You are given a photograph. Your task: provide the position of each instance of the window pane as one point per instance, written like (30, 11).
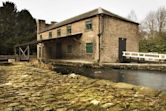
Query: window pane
(68, 29)
(89, 25)
(59, 32)
(50, 34)
(89, 47)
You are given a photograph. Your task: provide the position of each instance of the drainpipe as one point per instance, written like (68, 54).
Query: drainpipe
(101, 26)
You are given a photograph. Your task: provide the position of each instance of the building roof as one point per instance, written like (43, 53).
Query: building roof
(27, 43)
(89, 14)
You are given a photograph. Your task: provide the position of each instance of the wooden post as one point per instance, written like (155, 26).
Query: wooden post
(15, 52)
(28, 51)
(19, 55)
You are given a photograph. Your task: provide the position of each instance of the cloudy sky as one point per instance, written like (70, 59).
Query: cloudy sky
(58, 10)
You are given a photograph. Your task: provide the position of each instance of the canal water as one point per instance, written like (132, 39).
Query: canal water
(153, 79)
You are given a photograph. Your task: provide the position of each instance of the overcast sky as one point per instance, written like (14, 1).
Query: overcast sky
(58, 10)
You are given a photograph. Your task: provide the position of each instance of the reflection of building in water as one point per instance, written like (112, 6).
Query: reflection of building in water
(129, 76)
(112, 75)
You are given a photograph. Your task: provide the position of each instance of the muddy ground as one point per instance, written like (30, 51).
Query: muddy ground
(24, 87)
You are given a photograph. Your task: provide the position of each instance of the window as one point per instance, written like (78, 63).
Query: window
(69, 49)
(89, 47)
(41, 37)
(88, 24)
(50, 35)
(69, 29)
(59, 32)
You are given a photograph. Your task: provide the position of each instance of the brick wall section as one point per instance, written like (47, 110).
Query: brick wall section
(113, 30)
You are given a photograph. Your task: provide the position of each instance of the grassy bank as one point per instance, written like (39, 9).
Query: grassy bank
(26, 88)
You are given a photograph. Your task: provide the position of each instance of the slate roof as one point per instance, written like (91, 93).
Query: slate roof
(89, 14)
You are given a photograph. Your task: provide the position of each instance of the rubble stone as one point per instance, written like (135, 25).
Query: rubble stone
(24, 87)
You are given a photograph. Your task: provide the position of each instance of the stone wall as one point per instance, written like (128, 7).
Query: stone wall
(79, 46)
(113, 30)
(109, 45)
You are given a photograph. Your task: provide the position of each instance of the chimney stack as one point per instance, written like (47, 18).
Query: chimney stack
(41, 25)
(53, 22)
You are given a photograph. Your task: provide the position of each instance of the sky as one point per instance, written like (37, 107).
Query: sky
(59, 10)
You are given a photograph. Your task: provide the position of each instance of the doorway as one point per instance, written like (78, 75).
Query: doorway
(58, 49)
(122, 47)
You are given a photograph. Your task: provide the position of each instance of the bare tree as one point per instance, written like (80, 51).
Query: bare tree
(161, 19)
(155, 22)
(150, 23)
(132, 16)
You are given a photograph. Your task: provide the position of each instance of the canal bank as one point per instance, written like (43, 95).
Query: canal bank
(127, 66)
(136, 66)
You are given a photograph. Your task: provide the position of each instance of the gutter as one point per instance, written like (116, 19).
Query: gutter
(101, 27)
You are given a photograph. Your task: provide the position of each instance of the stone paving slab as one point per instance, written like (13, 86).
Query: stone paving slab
(24, 87)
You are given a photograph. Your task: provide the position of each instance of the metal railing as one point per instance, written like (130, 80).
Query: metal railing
(140, 56)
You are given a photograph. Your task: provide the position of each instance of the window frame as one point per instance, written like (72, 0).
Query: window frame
(89, 48)
(69, 29)
(89, 25)
(50, 35)
(58, 32)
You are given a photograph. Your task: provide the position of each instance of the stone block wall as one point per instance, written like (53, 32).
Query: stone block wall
(79, 46)
(113, 30)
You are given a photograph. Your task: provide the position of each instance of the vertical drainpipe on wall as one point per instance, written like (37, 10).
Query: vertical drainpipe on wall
(101, 26)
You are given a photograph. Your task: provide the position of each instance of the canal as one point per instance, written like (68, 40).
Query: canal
(153, 79)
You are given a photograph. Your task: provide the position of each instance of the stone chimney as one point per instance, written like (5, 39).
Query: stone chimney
(53, 22)
(41, 25)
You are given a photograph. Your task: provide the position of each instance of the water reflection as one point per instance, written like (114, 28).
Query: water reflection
(151, 79)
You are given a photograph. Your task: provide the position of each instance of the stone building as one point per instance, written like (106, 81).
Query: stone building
(98, 36)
